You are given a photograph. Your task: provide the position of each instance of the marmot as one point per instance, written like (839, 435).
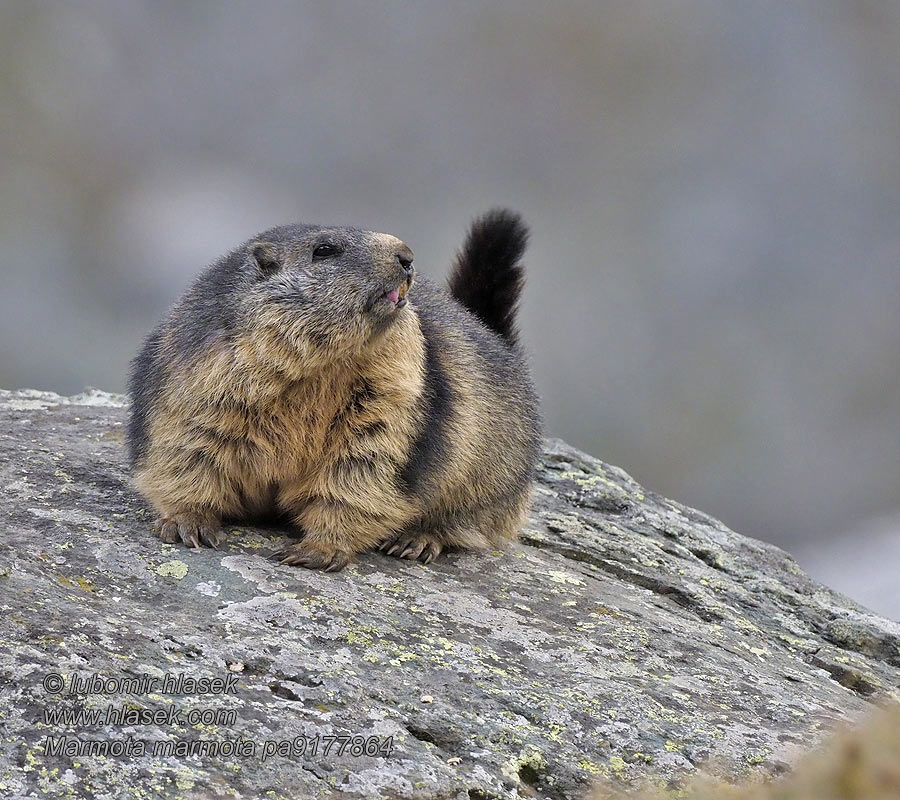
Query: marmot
(312, 373)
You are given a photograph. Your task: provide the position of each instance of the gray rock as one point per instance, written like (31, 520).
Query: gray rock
(625, 637)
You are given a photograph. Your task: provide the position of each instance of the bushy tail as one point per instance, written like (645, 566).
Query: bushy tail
(487, 277)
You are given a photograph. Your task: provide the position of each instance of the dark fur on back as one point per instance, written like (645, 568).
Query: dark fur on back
(439, 400)
(144, 386)
(487, 277)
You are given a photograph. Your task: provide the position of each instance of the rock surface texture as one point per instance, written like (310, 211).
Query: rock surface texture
(625, 637)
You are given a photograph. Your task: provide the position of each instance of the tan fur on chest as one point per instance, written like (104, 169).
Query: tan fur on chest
(256, 434)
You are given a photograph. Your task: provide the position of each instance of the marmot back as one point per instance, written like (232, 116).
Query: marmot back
(313, 374)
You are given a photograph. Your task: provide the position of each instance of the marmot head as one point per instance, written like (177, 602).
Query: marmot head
(326, 292)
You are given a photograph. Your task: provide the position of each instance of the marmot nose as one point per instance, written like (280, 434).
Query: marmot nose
(405, 257)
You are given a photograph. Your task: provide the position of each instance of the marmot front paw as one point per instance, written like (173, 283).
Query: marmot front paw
(193, 529)
(413, 545)
(313, 555)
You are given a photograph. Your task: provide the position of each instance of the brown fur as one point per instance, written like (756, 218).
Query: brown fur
(286, 409)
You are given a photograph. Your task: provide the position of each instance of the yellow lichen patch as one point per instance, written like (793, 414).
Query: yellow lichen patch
(795, 642)
(184, 780)
(561, 576)
(755, 759)
(361, 635)
(80, 583)
(172, 569)
(757, 651)
(617, 765)
(746, 625)
(403, 657)
(254, 541)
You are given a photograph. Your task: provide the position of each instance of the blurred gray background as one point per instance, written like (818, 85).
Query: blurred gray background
(713, 189)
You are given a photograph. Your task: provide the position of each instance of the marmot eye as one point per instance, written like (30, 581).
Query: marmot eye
(326, 249)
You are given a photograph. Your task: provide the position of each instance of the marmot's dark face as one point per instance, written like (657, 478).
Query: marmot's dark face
(328, 290)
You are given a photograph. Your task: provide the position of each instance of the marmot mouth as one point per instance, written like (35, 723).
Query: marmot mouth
(397, 297)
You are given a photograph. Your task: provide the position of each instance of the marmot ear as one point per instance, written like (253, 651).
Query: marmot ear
(266, 256)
